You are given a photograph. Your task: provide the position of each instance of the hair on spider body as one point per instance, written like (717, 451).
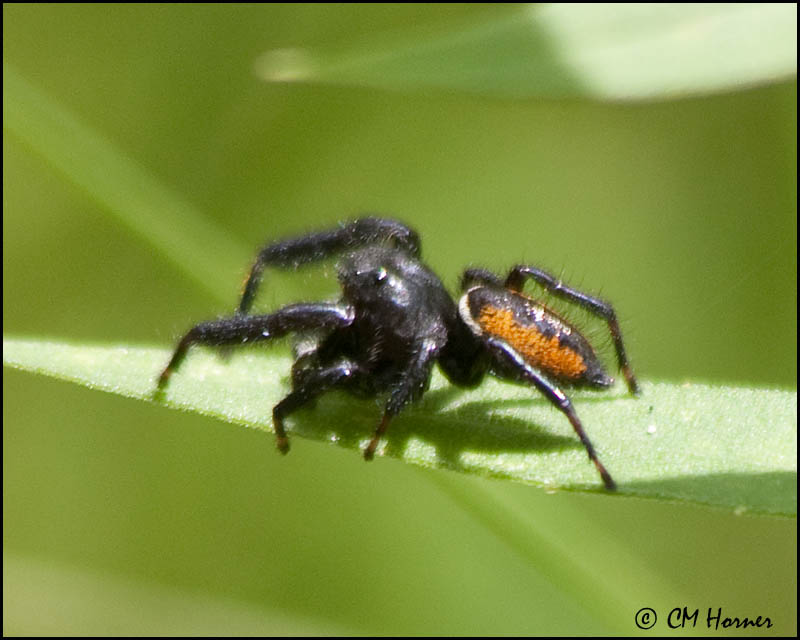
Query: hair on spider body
(395, 319)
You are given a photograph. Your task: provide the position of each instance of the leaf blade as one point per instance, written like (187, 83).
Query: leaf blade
(726, 447)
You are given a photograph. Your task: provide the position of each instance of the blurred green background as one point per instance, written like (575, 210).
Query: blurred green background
(122, 517)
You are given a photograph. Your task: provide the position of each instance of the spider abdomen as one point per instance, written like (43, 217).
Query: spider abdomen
(545, 340)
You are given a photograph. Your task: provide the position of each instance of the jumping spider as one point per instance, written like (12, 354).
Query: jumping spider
(395, 319)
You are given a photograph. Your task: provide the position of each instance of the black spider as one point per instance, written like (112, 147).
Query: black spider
(395, 319)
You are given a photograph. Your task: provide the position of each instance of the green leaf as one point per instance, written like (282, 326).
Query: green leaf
(563, 50)
(723, 446)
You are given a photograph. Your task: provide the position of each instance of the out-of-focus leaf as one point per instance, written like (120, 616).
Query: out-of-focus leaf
(563, 50)
(124, 188)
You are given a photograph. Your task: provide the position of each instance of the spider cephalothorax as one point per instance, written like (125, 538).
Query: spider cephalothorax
(395, 319)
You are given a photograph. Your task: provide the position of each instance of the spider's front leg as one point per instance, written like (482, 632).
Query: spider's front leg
(516, 280)
(247, 329)
(294, 252)
(413, 384)
(315, 383)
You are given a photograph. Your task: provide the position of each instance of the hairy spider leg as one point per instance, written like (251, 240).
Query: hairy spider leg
(477, 276)
(294, 252)
(516, 280)
(509, 359)
(244, 329)
(317, 383)
(411, 386)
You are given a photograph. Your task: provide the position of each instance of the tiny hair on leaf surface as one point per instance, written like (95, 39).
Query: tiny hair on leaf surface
(727, 447)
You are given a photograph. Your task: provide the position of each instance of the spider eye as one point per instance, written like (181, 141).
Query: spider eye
(381, 275)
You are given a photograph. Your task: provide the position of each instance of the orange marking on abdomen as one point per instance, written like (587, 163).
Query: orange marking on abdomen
(542, 352)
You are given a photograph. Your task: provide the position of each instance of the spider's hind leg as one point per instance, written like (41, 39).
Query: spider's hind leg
(477, 276)
(509, 364)
(516, 280)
